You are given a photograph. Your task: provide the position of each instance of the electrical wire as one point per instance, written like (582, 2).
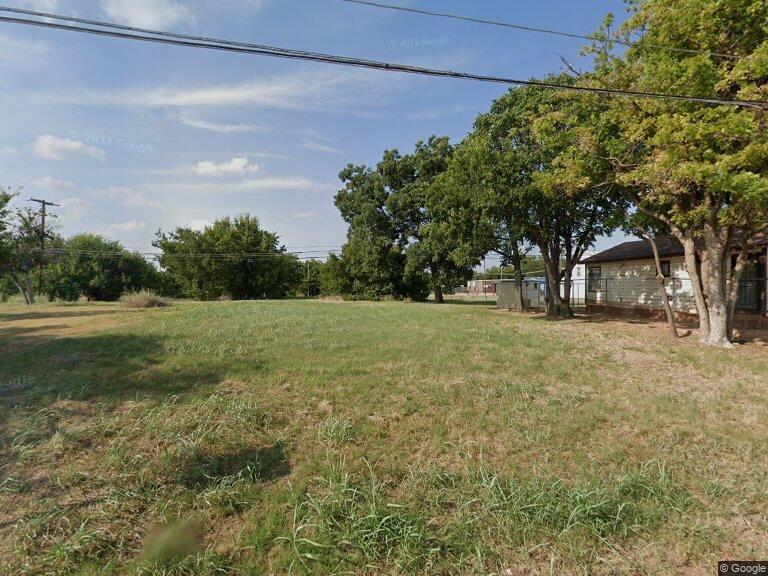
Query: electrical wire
(225, 45)
(527, 28)
(212, 255)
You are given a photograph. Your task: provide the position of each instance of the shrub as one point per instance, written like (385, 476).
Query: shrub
(142, 299)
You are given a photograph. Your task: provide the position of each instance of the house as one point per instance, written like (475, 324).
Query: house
(622, 280)
(578, 281)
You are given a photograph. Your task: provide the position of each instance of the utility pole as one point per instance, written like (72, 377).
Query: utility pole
(43, 205)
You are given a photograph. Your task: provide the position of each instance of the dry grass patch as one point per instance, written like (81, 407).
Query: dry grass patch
(143, 299)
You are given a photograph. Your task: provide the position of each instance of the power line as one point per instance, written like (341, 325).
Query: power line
(306, 255)
(238, 47)
(527, 28)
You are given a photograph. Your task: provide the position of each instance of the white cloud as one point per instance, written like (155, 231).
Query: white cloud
(22, 52)
(9, 151)
(199, 225)
(55, 148)
(265, 155)
(74, 202)
(301, 216)
(74, 208)
(310, 144)
(148, 13)
(255, 5)
(128, 226)
(140, 201)
(40, 5)
(215, 127)
(127, 197)
(309, 90)
(273, 184)
(49, 183)
(285, 183)
(236, 166)
(113, 192)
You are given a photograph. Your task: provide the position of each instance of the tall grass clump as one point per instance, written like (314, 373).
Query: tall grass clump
(352, 524)
(546, 507)
(335, 431)
(448, 521)
(143, 299)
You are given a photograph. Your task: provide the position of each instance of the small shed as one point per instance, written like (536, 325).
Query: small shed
(533, 293)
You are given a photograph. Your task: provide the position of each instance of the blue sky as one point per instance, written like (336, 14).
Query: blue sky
(129, 138)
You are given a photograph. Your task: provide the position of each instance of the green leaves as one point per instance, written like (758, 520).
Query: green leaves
(695, 164)
(233, 258)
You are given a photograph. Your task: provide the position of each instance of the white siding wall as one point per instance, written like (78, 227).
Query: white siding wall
(634, 283)
(578, 284)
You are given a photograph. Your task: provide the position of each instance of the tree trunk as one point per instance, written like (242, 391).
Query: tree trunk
(20, 289)
(558, 307)
(438, 289)
(692, 267)
(517, 300)
(718, 262)
(567, 289)
(663, 288)
(29, 292)
(735, 280)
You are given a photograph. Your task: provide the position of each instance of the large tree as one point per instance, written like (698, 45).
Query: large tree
(373, 257)
(702, 171)
(468, 208)
(410, 181)
(6, 285)
(234, 257)
(539, 164)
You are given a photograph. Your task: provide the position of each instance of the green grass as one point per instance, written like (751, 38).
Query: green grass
(320, 437)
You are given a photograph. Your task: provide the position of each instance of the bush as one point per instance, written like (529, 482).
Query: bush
(99, 269)
(142, 299)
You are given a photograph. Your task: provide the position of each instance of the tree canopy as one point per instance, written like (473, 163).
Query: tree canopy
(233, 258)
(96, 268)
(701, 171)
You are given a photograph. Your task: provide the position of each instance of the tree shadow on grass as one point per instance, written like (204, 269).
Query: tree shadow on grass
(47, 314)
(14, 335)
(208, 466)
(104, 366)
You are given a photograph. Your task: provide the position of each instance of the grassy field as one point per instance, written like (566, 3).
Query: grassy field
(372, 438)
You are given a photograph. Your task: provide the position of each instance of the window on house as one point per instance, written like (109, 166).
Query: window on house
(593, 278)
(666, 270)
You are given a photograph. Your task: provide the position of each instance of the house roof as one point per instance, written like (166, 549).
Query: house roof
(641, 250)
(638, 250)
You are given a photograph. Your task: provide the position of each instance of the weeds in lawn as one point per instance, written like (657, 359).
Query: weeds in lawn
(352, 520)
(335, 432)
(142, 299)
(352, 525)
(57, 542)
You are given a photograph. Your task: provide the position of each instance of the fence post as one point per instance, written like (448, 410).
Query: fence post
(605, 297)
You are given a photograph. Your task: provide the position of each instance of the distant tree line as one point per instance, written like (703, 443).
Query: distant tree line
(234, 258)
